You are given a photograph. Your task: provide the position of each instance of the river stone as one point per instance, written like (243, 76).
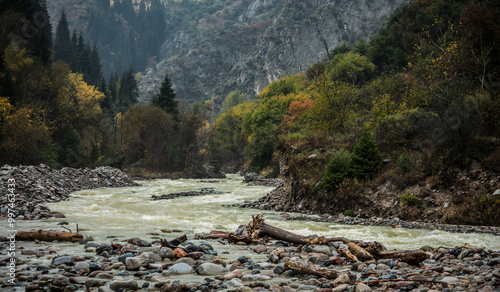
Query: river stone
(340, 288)
(28, 252)
(209, 269)
(104, 289)
(60, 281)
(256, 277)
(279, 269)
(185, 260)
(123, 285)
(165, 252)
(124, 257)
(450, 279)
(154, 256)
(235, 283)
(308, 287)
(362, 288)
(67, 260)
(82, 266)
(180, 268)
(136, 262)
(320, 249)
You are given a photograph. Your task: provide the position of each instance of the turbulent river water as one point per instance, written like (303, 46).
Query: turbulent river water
(131, 212)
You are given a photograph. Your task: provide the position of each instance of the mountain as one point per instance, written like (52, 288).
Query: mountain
(248, 44)
(211, 48)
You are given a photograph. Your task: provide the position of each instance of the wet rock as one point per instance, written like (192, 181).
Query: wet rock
(134, 263)
(123, 285)
(324, 249)
(340, 288)
(94, 283)
(165, 252)
(180, 268)
(209, 269)
(82, 266)
(60, 281)
(362, 288)
(60, 260)
(260, 249)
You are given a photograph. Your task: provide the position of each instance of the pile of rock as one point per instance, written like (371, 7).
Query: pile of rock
(37, 185)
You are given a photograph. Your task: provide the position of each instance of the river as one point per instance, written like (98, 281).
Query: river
(130, 212)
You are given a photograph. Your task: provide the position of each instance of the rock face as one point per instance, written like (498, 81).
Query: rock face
(258, 42)
(37, 185)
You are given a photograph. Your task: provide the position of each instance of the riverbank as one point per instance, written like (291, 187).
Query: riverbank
(210, 265)
(37, 185)
(274, 201)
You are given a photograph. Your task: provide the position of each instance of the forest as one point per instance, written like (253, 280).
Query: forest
(423, 93)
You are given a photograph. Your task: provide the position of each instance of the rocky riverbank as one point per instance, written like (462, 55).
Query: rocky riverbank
(37, 185)
(274, 202)
(209, 265)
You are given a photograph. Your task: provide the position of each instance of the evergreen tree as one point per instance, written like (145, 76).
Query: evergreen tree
(165, 99)
(62, 45)
(336, 170)
(127, 94)
(41, 43)
(71, 152)
(365, 160)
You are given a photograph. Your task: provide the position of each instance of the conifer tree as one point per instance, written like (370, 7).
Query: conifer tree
(127, 93)
(365, 160)
(165, 99)
(62, 44)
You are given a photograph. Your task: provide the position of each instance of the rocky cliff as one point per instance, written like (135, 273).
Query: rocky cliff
(248, 44)
(214, 47)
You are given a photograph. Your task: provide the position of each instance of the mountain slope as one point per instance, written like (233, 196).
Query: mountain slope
(248, 44)
(214, 47)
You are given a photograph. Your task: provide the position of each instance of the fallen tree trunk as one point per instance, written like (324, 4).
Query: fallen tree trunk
(47, 235)
(309, 269)
(412, 257)
(257, 231)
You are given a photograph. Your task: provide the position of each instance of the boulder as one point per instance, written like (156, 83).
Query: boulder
(180, 268)
(123, 285)
(209, 269)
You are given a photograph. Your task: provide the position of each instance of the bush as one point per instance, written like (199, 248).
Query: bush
(408, 200)
(365, 160)
(336, 170)
(404, 163)
(349, 213)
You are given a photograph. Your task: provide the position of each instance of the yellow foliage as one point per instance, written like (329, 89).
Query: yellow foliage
(5, 107)
(16, 58)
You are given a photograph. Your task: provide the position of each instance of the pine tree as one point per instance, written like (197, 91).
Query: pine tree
(365, 160)
(41, 43)
(165, 99)
(71, 152)
(127, 93)
(62, 45)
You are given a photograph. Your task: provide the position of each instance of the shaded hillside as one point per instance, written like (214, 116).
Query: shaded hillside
(246, 45)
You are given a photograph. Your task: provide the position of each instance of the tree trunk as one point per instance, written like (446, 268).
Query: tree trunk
(44, 235)
(309, 269)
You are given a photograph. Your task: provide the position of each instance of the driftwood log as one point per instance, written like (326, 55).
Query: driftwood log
(257, 231)
(309, 269)
(174, 243)
(47, 235)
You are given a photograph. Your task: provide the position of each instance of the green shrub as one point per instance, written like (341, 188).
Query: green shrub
(336, 170)
(408, 200)
(404, 163)
(349, 213)
(365, 160)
